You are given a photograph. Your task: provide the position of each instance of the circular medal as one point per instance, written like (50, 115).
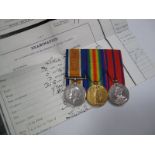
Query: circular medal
(74, 94)
(118, 94)
(97, 95)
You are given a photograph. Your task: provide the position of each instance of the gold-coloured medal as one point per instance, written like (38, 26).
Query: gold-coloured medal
(97, 95)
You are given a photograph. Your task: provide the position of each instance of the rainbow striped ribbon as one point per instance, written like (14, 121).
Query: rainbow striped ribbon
(96, 67)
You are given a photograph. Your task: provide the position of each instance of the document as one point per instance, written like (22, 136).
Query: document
(32, 99)
(32, 69)
(10, 25)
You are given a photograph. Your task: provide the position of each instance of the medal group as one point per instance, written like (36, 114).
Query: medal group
(95, 75)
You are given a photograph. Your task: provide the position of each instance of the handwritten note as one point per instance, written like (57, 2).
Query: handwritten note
(33, 97)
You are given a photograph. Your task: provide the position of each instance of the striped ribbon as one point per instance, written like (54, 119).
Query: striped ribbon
(97, 64)
(114, 66)
(75, 64)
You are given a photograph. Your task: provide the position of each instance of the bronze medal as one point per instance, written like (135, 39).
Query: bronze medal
(97, 95)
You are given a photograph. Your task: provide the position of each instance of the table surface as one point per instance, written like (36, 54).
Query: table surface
(137, 116)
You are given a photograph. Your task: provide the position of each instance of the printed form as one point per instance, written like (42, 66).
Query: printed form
(32, 69)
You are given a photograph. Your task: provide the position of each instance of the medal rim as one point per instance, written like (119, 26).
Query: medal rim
(101, 104)
(75, 85)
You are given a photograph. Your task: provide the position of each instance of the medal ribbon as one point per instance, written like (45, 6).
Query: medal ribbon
(96, 66)
(114, 65)
(75, 64)
(103, 66)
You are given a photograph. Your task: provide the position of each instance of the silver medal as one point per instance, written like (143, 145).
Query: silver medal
(74, 94)
(118, 94)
